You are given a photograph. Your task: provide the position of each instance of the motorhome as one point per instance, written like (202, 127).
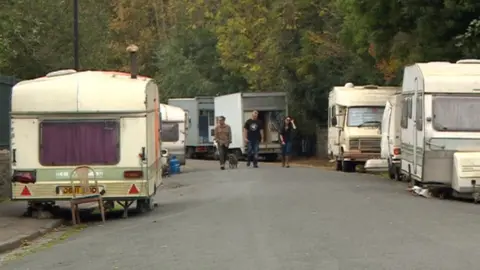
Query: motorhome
(355, 116)
(108, 121)
(441, 126)
(174, 129)
(391, 132)
(238, 107)
(201, 123)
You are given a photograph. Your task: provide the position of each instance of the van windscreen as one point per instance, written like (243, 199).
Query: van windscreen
(358, 116)
(72, 143)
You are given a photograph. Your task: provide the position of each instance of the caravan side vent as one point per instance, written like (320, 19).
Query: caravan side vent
(468, 61)
(370, 86)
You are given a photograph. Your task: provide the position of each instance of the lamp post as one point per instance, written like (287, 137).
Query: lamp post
(75, 35)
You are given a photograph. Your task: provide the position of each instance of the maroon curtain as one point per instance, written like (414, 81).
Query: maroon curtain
(77, 143)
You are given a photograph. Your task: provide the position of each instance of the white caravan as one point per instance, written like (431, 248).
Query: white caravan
(355, 116)
(174, 130)
(109, 121)
(391, 132)
(441, 125)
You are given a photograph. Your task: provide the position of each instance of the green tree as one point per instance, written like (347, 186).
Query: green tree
(37, 36)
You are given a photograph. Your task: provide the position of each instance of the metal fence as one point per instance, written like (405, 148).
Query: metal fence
(6, 84)
(4, 173)
(314, 145)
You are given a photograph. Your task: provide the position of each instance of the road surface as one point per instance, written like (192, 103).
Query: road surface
(274, 218)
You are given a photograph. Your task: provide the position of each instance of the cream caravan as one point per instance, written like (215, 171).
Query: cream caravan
(441, 125)
(174, 129)
(355, 115)
(106, 120)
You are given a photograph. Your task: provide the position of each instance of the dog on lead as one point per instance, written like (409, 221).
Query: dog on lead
(232, 161)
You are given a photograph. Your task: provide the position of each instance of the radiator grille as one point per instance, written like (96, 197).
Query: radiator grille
(366, 145)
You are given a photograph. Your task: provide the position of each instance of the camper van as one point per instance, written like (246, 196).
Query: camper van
(355, 117)
(109, 121)
(441, 125)
(391, 132)
(174, 130)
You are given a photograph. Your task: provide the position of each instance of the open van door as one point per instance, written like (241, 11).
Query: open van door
(385, 149)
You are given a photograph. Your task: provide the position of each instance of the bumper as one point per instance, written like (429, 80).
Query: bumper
(50, 191)
(397, 161)
(359, 156)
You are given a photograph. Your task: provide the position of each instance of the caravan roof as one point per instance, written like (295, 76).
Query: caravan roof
(86, 91)
(368, 95)
(445, 77)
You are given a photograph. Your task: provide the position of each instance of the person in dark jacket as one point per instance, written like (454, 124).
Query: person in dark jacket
(286, 137)
(253, 136)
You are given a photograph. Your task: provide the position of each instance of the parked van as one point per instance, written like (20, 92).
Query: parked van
(355, 116)
(106, 120)
(441, 125)
(201, 122)
(391, 132)
(174, 131)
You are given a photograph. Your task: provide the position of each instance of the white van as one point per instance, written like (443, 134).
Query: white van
(106, 120)
(441, 125)
(174, 131)
(355, 116)
(391, 132)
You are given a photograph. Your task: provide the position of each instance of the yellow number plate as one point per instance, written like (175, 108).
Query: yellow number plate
(78, 190)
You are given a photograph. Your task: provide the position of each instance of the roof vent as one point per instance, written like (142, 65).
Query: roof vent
(438, 62)
(468, 61)
(370, 86)
(349, 85)
(61, 72)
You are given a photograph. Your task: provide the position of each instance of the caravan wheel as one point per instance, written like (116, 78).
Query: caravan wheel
(145, 205)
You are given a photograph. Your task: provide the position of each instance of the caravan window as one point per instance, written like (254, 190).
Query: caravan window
(75, 143)
(456, 113)
(409, 107)
(364, 115)
(419, 108)
(170, 132)
(404, 121)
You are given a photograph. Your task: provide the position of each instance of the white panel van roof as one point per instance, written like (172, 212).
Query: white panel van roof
(172, 113)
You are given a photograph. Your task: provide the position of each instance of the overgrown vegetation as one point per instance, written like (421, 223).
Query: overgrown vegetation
(209, 47)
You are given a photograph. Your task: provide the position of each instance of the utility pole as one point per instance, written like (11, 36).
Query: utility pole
(75, 35)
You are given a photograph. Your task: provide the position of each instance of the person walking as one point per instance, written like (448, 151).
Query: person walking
(223, 139)
(286, 137)
(253, 135)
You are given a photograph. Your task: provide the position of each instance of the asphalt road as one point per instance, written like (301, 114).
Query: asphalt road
(273, 218)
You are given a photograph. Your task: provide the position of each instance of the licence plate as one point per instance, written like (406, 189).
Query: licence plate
(66, 190)
(201, 149)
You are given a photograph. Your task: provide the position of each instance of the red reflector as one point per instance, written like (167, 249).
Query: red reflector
(133, 190)
(26, 192)
(397, 151)
(132, 174)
